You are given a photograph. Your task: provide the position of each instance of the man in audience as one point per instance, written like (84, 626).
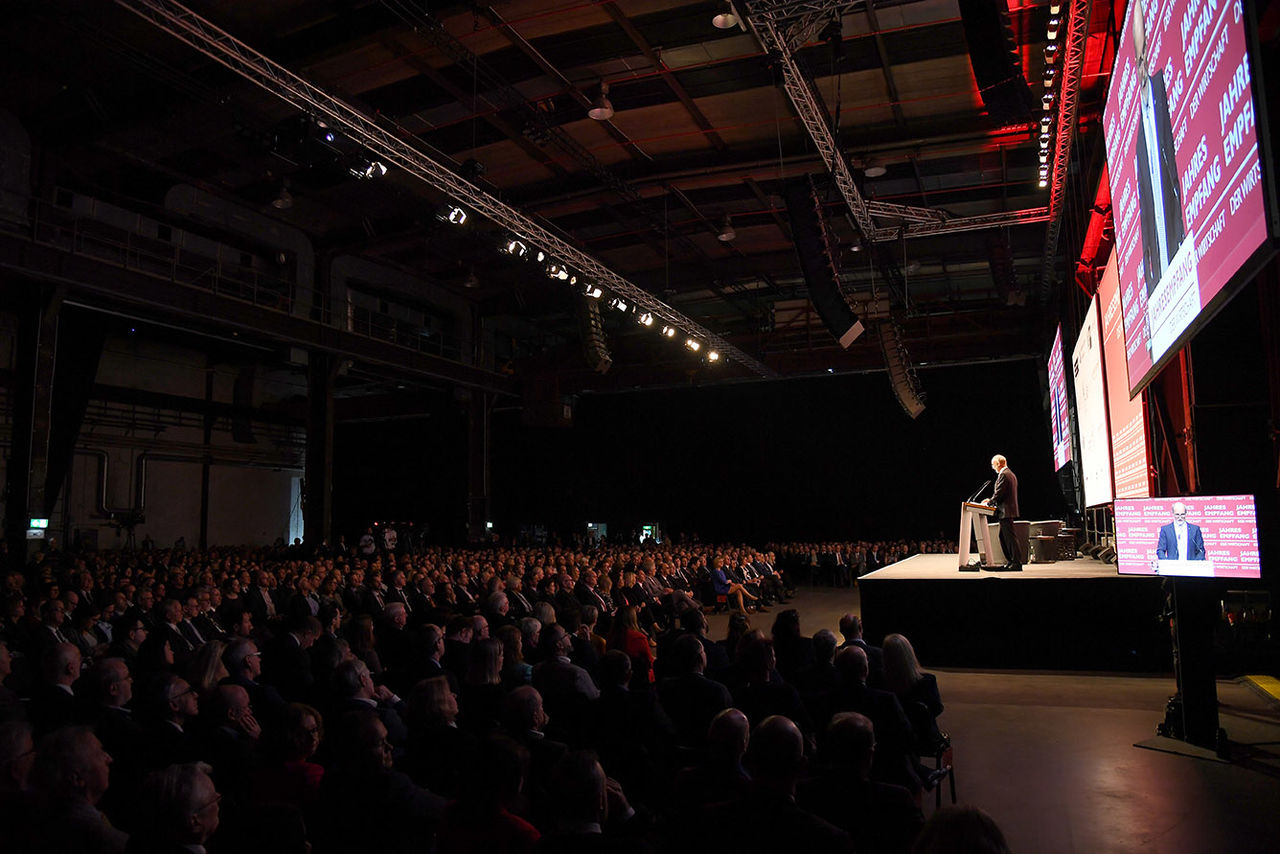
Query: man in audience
(230, 740)
(590, 812)
(851, 628)
(720, 776)
(354, 691)
(17, 754)
(70, 775)
(182, 808)
(53, 703)
(244, 667)
(286, 662)
(689, 698)
(879, 816)
(895, 743)
(174, 705)
(170, 629)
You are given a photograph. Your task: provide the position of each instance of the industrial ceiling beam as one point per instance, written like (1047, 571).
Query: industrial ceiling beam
(220, 46)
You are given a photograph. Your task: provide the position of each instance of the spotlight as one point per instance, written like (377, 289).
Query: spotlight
(329, 136)
(1045, 121)
(542, 256)
(713, 356)
(1050, 75)
(1044, 182)
(645, 319)
(371, 169)
(555, 271)
(563, 274)
(692, 345)
(593, 292)
(456, 215)
(1055, 24)
(1047, 100)
(726, 18)
(1044, 155)
(1055, 7)
(573, 280)
(874, 168)
(601, 108)
(727, 234)
(618, 304)
(668, 332)
(1045, 139)
(1050, 52)
(516, 248)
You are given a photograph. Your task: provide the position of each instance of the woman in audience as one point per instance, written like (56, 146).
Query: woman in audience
(205, 669)
(915, 689)
(739, 625)
(626, 636)
(439, 752)
(289, 776)
(481, 702)
(515, 670)
(360, 635)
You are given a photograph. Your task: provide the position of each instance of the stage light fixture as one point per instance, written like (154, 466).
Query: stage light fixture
(1047, 100)
(542, 256)
(1055, 7)
(573, 280)
(371, 169)
(1045, 139)
(563, 275)
(692, 345)
(1044, 182)
(1044, 155)
(726, 18)
(1046, 120)
(516, 248)
(1050, 75)
(873, 168)
(601, 108)
(456, 215)
(668, 332)
(284, 201)
(1050, 52)
(618, 304)
(1055, 24)
(645, 319)
(593, 291)
(713, 356)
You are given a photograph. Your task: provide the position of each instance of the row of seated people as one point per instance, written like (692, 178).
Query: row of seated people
(490, 724)
(841, 563)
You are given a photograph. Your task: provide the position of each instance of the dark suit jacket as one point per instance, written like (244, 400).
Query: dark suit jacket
(287, 665)
(1005, 496)
(1168, 545)
(895, 741)
(764, 823)
(881, 818)
(51, 708)
(691, 701)
(875, 661)
(1170, 188)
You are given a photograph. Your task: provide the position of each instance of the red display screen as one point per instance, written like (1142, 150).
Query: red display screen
(1216, 536)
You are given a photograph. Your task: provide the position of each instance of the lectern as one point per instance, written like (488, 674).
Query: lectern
(973, 522)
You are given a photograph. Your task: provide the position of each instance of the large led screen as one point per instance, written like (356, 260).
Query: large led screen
(1184, 165)
(1059, 415)
(1206, 536)
(1091, 411)
(1124, 414)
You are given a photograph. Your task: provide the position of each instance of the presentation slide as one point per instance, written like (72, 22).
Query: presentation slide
(1125, 415)
(1059, 415)
(1185, 172)
(1212, 536)
(1091, 410)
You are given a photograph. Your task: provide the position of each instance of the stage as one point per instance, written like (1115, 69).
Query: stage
(1068, 615)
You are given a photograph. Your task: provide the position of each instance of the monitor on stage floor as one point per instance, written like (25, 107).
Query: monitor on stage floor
(1198, 536)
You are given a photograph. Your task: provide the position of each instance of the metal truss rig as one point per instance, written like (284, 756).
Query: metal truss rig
(226, 50)
(1078, 17)
(782, 26)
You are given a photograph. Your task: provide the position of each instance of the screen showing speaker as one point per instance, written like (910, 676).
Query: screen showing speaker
(1059, 414)
(1091, 410)
(1128, 436)
(1185, 170)
(1202, 536)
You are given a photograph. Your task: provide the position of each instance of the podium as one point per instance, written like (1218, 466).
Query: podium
(973, 524)
(1183, 568)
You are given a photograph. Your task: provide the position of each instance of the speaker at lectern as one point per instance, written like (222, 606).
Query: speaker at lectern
(973, 530)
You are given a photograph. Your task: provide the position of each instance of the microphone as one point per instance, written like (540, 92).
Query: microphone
(977, 491)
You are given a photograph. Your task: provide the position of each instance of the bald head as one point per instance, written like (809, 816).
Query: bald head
(852, 663)
(776, 751)
(729, 733)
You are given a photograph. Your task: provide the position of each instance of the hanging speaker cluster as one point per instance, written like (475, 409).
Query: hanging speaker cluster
(595, 347)
(814, 246)
(906, 385)
(997, 67)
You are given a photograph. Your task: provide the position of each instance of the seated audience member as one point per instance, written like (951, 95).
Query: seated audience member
(916, 690)
(515, 670)
(353, 691)
(395, 645)
(961, 830)
(244, 668)
(720, 776)
(582, 651)
(53, 703)
(688, 697)
(206, 670)
(439, 753)
(169, 707)
(365, 804)
(10, 703)
(287, 775)
(17, 755)
(182, 809)
(431, 659)
(531, 631)
(767, 818)
(734, 591)
(820, 680)
(851, 629)
(895, 759)
(127, 634)
(792, 649)
(739, 625)
(632, 732)
(566, 688)
(524, 719)
(108, 690)
(170, 628)
(229, 741)
(480, 702)
(364, 642)
(286, 662)
(590, 630)
(881, 818)
(628, 638)
(481, 819)
(70, 775)
(759, 691)
(457, 646)
(590, 812)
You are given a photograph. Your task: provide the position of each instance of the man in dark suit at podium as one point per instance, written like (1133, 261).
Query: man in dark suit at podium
(1005, 499)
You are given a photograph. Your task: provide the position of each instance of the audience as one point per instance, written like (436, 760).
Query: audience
(248, 700)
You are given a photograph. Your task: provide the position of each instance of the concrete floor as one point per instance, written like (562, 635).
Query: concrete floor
(1051, 755)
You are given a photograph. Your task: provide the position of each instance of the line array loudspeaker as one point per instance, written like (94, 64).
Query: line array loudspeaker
(815, 249)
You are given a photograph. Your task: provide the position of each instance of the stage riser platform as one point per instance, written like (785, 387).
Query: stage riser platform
(1072, 615)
